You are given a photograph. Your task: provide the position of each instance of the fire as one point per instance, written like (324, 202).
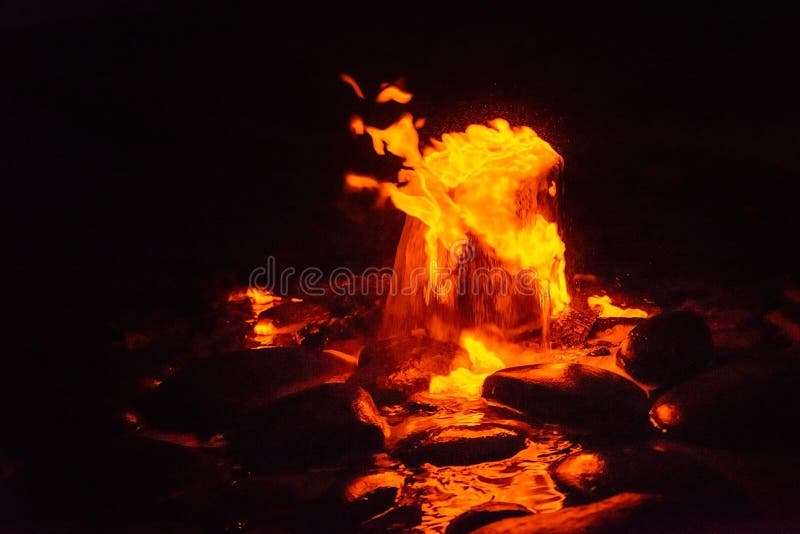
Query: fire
(490, 189)
(604, 305)
(468, 184)
(465, 382)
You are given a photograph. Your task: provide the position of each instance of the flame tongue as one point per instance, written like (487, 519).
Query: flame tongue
(468, 382)
(469, 184)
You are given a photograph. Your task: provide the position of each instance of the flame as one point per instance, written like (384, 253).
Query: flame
(602, 303)
(357, 125)
(346, 78)
(463, 382)
(467, 184)
(483, 185)
(392, 92)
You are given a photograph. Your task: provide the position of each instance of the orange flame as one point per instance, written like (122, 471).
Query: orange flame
(465, 382)
(346, 78)
(392, 92)
(468, 183)
(603, 304)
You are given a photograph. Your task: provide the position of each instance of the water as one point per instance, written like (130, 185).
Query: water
(448, 491)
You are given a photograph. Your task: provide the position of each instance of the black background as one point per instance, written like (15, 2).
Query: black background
(155, 153)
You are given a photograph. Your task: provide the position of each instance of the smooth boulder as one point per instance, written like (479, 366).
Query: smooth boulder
(748, 404)
(394, 369)
(596, 474)
(576, 395)
(666, 348)
(324, 426)
(626, 512)
(210, 395)
(460, 445)
(484, 514)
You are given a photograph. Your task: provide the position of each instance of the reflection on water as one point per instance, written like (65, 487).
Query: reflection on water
(446, 492)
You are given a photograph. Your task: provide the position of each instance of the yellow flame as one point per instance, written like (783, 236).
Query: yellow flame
(465, 382)
(469, 182)
(603, 304)
(392, 92)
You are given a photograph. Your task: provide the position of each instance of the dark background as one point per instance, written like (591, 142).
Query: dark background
(154, 153)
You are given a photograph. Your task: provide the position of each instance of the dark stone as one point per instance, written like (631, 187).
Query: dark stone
(327, 425)
(120, 479)
(592, 475)
(290, 313)
(460, 445)
(213, 394)
(599, 351)
(394, 369)
(666, 348)
(742, 405)
(572, 394)
(398, 520)
(626, 512)
(484, 514)
(369, 495)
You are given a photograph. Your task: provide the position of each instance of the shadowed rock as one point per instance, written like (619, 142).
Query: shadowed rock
(121, 479)
(213, 394)
(484, 514)
(327, 425)
(666, 348)
(591, 475)
(394, 369)
(572, 394)
(460, 445)
(745, 404)
(626, 512)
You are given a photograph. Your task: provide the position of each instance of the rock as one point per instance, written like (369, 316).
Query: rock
(394, 369)
(745, 404)
(116, 479)
(213, 394)
(369, 495)
(666, 348)
(626, 512)
(295, 313)
(592, 475)
(327, 425)
(460, 445)
(484, 514)
(572, 394)
(599, 351)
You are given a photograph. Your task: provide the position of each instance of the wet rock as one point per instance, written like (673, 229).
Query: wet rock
(666, 348)
(592, 475)
(745, 404)
(213, 394)
(460, 445)
(121, 479)
(572, 394)
(394, 369)
(291, 313)
(369, 495)
(397, 520)
(626, 512)
(327, 425)
(599, 351)
(484, 514)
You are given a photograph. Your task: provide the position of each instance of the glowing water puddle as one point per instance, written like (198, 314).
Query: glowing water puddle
(448, 491)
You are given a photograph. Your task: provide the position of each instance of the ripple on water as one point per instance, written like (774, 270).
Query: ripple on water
(448, 491)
